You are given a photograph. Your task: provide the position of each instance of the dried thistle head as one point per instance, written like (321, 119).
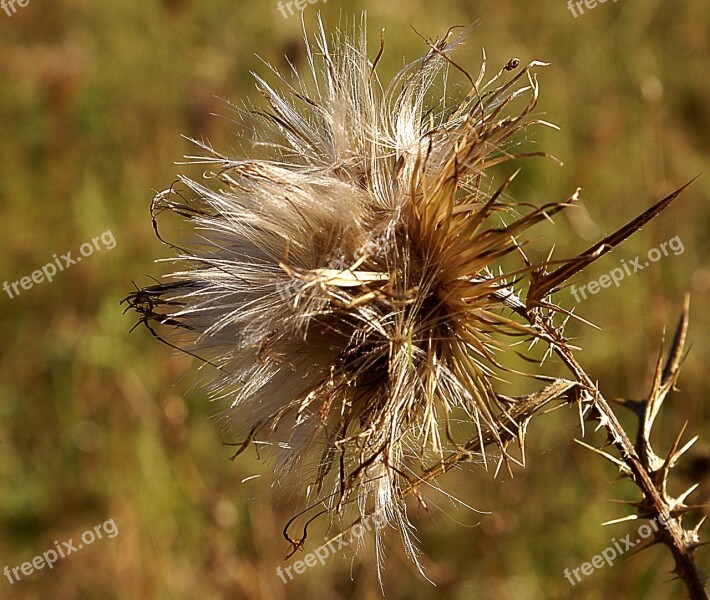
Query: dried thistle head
(348, 292)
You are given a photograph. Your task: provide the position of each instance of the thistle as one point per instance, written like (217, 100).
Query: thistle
(352, 293)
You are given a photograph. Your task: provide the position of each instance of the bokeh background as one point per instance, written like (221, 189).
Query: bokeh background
(97, 424)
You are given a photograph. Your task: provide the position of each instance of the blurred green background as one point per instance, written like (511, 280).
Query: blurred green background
(97, 424)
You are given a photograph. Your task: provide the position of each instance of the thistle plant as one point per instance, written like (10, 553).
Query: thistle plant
(352, 294)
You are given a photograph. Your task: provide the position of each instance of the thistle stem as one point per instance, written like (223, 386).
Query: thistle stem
(672, 533)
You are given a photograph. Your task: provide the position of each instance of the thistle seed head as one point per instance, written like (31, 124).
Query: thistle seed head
(347, 291)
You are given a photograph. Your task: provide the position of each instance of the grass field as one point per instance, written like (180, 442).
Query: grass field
(99, 425)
